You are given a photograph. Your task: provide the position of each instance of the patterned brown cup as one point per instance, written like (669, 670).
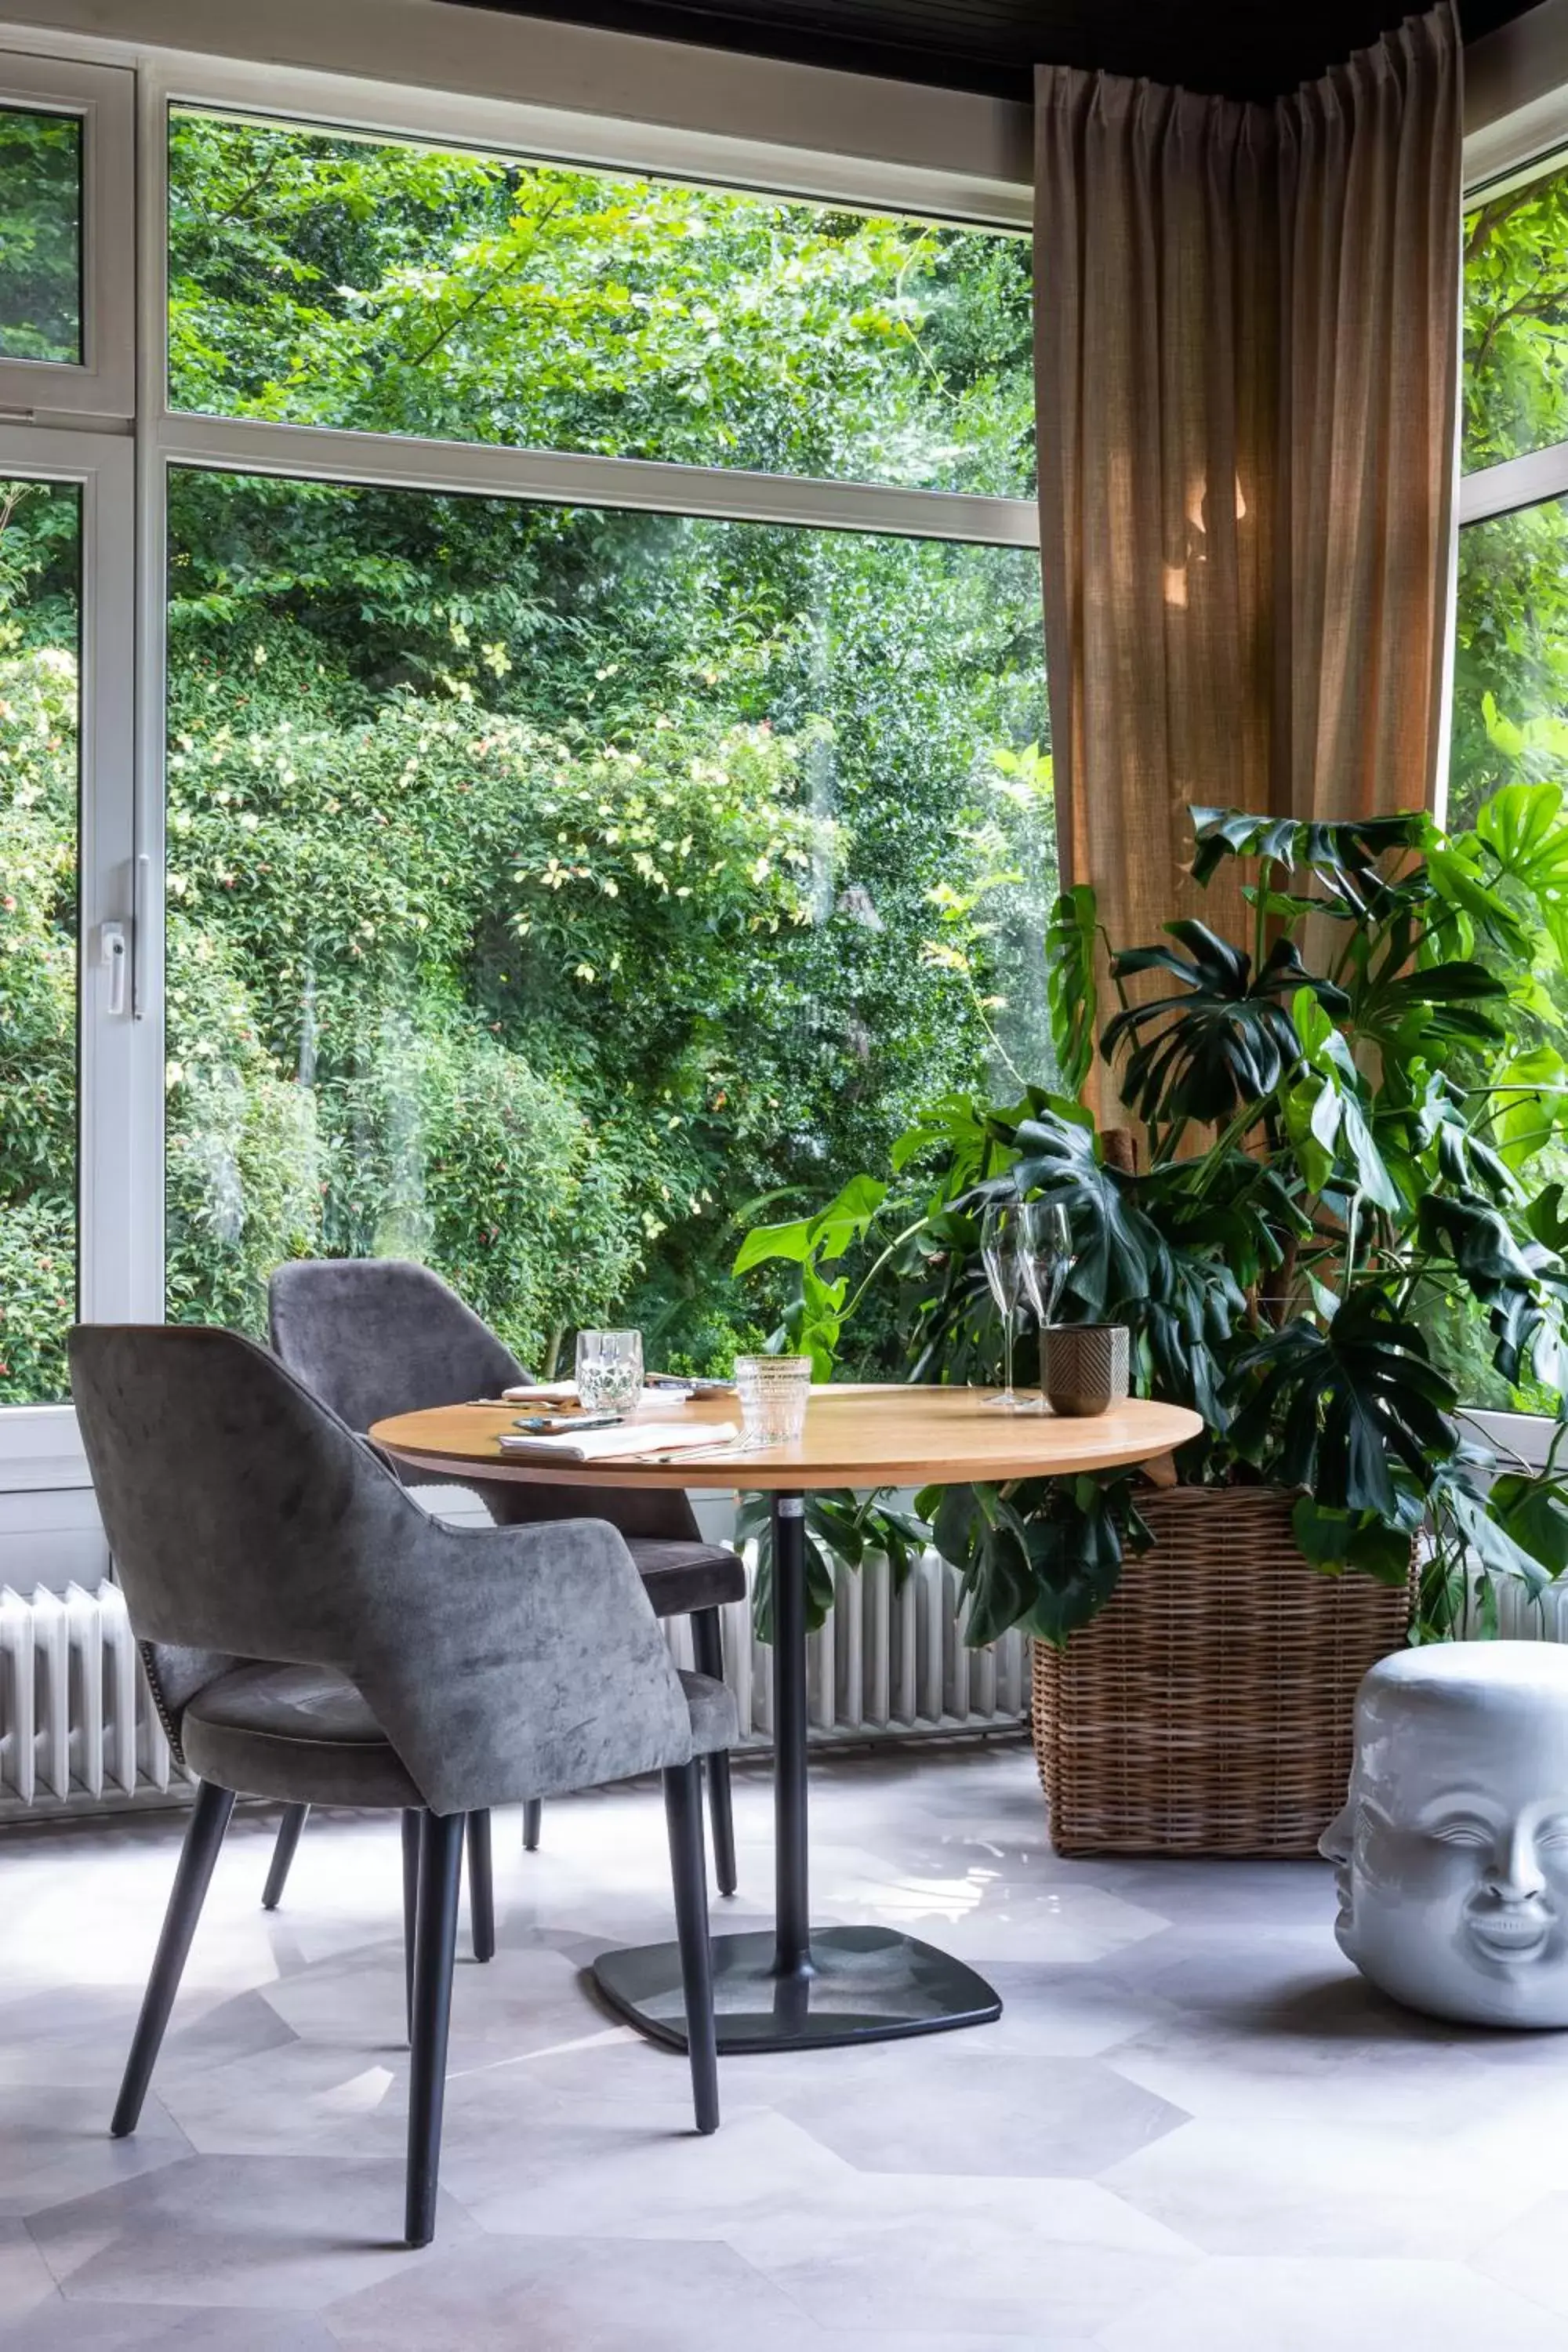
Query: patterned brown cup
(1084, 1366)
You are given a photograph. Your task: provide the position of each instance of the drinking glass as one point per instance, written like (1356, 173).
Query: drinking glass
(1049, 1256)
(775, 1392)
(609, 1371)
(1003, 1252)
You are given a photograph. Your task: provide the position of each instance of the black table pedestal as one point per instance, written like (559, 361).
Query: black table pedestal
(787, 1988)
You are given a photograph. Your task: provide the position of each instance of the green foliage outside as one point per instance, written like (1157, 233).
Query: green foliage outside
(1510, 666)
(325, 281)
(40, 236)
(37, 968)
(551, 890)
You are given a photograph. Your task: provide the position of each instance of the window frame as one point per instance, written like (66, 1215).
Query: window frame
(103, 383)
(123, 93)
(130, 437)
(1496, 165)
(38, 1443)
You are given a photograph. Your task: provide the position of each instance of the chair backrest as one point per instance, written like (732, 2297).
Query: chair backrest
(373, 1337)
(215, 1476)
(248, 1521)
(378, 1336)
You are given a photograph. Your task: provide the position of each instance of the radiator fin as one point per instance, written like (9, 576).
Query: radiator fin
(78, 1721)
(886, 1664)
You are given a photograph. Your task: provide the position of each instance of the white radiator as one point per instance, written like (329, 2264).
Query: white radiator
(78, 1726)
(885, 1667)
(1519, 1618)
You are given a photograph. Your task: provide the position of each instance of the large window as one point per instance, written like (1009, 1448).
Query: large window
(1510, 666)
(551, 886)
(603, 780)
(589, 779)
(542, 910)
(40, 567)
(389, 287)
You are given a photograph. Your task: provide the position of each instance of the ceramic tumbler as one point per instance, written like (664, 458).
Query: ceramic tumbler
(1084, 1366)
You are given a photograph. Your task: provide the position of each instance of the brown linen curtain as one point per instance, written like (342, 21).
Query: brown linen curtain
(1247, 346)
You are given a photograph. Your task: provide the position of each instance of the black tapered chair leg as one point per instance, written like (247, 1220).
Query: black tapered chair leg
(481, 1888)
(683, 1812)
(532, 1815)
(440, 1867)
(288, 1833)
(412, 1819)
(203, 1836)
(708, 1648)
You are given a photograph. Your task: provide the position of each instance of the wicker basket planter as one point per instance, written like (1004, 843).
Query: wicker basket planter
(1208, 1709)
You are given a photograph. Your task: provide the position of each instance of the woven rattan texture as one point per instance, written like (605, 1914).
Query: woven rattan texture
(1208, 1710)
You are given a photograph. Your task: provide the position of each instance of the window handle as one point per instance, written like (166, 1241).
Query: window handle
(111, 954)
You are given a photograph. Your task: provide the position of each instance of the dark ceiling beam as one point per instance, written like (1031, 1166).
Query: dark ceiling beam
(1241, 48)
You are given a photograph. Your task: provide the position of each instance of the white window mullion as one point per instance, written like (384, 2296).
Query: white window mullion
(715, 493)
(38, 1445)
(115, 1071)
(1516, 482)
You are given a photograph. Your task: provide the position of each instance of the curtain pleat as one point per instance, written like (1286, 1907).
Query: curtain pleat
(1246, 337)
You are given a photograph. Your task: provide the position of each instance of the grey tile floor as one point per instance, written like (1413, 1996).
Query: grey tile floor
(1193, 2129)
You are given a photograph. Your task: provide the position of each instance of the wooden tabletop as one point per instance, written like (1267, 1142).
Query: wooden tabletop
(854, 1436)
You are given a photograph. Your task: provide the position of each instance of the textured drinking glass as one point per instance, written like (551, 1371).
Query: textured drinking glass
(609, 1371)
(773, 1392)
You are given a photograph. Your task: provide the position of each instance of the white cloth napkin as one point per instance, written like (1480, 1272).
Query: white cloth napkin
(628, 1437)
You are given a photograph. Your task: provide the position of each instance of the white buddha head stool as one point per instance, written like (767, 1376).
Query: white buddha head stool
(1452, 1849)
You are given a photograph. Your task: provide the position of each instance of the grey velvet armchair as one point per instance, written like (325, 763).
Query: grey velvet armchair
(312, 1634)
(374, 1336)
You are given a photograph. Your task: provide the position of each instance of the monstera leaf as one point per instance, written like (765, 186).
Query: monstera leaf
(1528, 1097)
(1225, 1041)
(1488, 1535)
(1379, 1548)
(1071, 993)
(1187, 1330)
(1469, 905)
(1428, 1011)
(1523, 827)
(1533, 1509)
(1336, 1412)
(1120, 1250)
(1044, 1555)
(1519, 1282)
(1547, 1219)
(1437, 1116)
(839, 1527)
(1342, 857)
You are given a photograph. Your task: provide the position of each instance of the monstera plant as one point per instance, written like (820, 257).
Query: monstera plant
(1334, 1205)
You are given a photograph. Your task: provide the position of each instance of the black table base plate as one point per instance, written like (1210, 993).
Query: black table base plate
(866, 1984)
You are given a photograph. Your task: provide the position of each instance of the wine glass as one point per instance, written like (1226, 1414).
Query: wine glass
(1003, 1254)
(1049, 1256)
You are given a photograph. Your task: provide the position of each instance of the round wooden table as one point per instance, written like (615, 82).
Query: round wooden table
(793, 1987)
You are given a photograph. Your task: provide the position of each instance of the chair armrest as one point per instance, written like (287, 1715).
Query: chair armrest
(513, 1663)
